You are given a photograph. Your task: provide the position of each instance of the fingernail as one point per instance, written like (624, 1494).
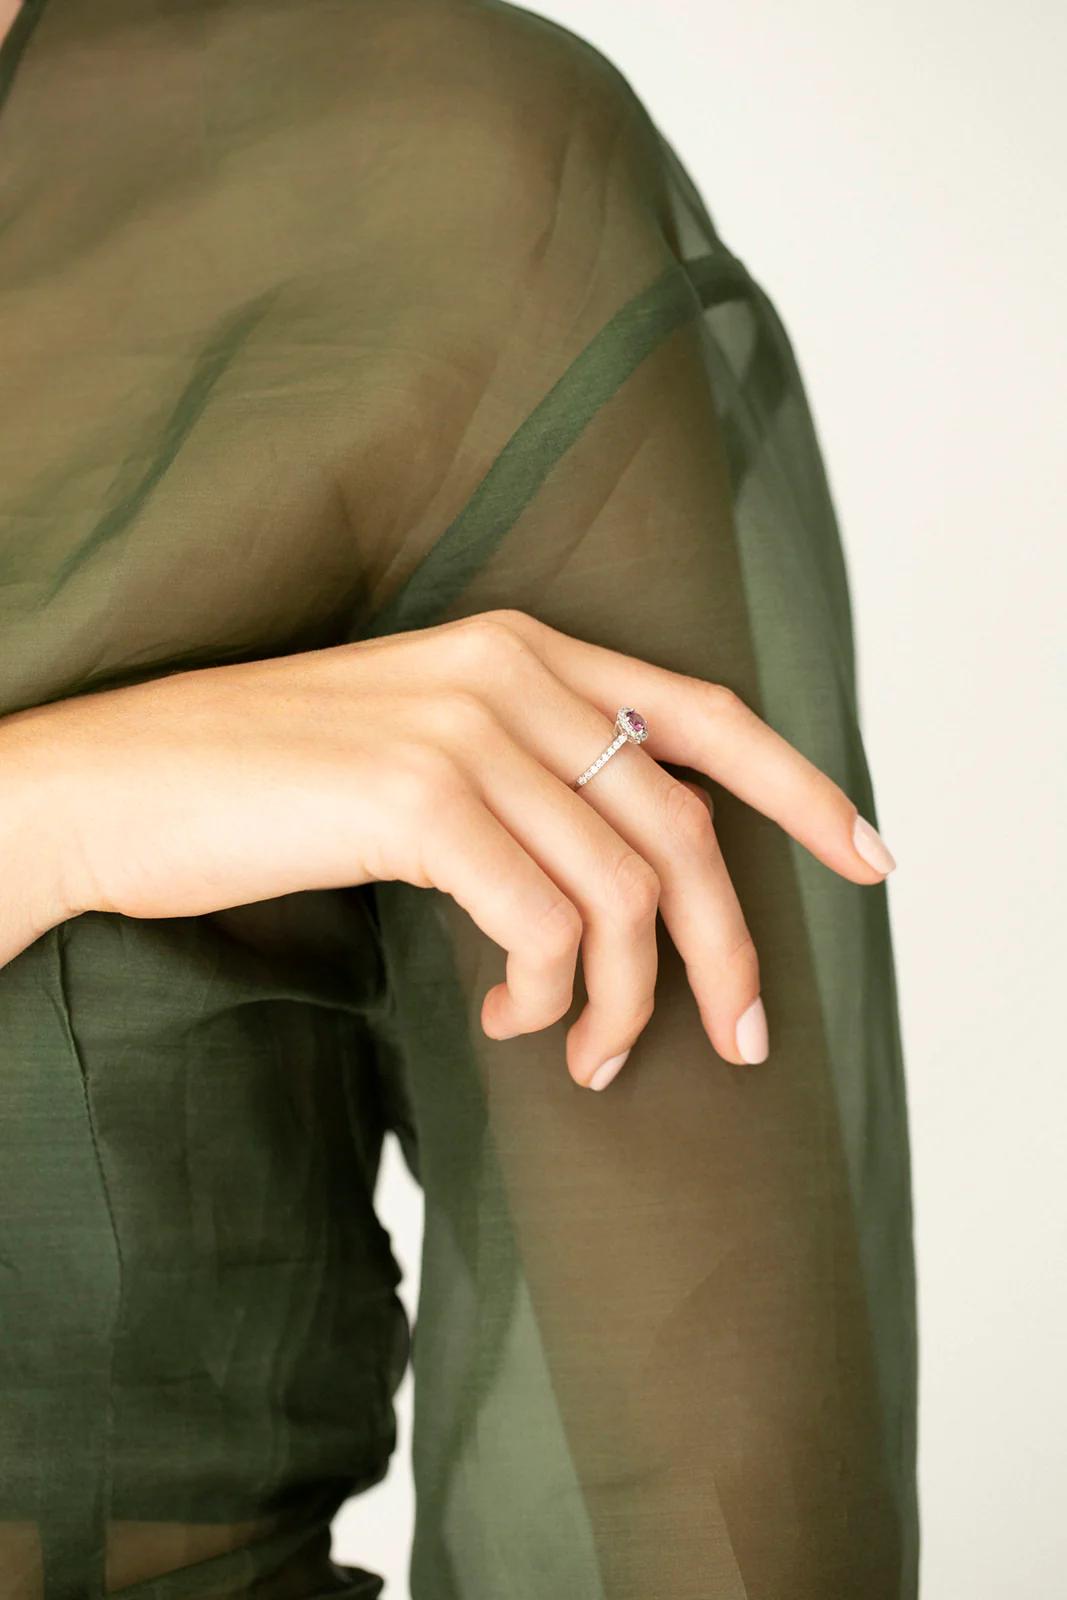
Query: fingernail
(871, 846)
(607, 1070)
(751, 1034)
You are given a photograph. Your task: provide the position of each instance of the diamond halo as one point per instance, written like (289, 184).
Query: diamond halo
(631, 728)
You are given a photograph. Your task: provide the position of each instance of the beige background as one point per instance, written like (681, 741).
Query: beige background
(894, 176)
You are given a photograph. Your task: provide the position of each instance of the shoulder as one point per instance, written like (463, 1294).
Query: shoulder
(502, 54)
(471, 104)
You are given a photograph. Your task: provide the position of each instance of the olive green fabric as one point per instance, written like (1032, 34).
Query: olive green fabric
(322, 320)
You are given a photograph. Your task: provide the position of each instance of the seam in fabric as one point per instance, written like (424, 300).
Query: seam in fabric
(59, 936)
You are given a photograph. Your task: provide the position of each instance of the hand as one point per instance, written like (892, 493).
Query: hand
(444, 757)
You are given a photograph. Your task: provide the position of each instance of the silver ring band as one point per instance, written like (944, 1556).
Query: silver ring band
(631, 728)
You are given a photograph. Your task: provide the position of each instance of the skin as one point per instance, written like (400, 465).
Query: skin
(412, 758)
(405, 759)
(9, 10)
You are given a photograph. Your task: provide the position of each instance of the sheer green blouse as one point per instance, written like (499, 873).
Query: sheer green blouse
(321, 320)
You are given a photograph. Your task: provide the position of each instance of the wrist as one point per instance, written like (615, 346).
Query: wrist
(35, 831)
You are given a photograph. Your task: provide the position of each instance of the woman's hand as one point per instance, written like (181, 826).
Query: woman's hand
(443, 757)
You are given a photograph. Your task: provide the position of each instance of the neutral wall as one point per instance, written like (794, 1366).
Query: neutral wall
(894, 176)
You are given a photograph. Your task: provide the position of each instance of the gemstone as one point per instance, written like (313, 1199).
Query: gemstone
(634, 723)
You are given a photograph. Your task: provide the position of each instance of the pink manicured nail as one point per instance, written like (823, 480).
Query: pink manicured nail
(607, 1070)
(871, 846)
(751, 1034)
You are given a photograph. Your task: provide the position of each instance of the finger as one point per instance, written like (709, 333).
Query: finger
(615, 889)
(666, 826)
(704, 918)
(671, 828)
(468, 854)
(706, 726)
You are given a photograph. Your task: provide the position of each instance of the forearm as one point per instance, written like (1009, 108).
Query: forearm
(34, 839)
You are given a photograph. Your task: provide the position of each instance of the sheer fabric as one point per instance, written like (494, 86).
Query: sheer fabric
(321, 320)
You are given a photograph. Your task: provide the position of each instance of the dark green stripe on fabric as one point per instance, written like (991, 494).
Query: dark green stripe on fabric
(208, 366)
(550, 430)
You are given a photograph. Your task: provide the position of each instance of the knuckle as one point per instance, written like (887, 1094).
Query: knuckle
(640, 1015)
(518, 623)
(462, 715)
(496, 642)
(722, 701)
(423, 779)
(556, 1010)
(688, 819)
(557, 930)
(635, 888)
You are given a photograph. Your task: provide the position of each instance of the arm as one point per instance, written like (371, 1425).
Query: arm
(629, 1298)
(647, 1360)
(37, 895)
(666, 1337)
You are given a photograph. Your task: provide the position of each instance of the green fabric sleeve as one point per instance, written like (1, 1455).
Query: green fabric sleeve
(321, 322)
